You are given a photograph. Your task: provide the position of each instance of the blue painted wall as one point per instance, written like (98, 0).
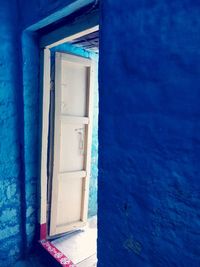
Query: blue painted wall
(149, 142)
(44, 12)
(148, 136)
(11, 167)
(30, 130)
(68, 48)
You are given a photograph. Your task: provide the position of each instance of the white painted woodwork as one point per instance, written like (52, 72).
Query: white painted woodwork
(73, 174)
(73, 93)
(45, 80)
(72, 147)
(69, 199)
(74, 120)
(72, 142)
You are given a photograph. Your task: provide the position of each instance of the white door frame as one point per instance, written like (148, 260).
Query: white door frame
(82, 26)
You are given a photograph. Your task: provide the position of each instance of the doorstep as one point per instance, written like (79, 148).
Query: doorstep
(56, 254)
(80, 246)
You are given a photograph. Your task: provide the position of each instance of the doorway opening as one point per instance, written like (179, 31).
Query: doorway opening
(69, 169)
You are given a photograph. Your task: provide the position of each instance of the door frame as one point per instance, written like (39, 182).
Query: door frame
(82, 26)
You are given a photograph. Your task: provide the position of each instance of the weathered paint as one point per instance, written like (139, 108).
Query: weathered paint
(149, 131)
(31, 133)
(68, 48)
(11, 171)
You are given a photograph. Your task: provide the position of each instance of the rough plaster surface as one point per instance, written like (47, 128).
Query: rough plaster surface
(42, 10)
(30, 59)
(33, 11)
(10, 155)
(149, 132)
(149, 143)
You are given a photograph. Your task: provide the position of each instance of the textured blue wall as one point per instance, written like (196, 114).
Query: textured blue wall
(149, 142)
(11, 166)
(68, 48)
(30, 60)
(149, 131)
(93, 201)
(47, 11)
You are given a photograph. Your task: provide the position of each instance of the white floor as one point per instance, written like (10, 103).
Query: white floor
(80, 246)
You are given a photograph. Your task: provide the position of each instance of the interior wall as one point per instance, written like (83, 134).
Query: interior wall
(31, 139)
(47, 11)
(149, 131)
(72, 49)
(19, 131)
(149, 142)
(11, 163)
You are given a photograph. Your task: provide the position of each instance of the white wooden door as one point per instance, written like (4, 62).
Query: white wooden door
(72, 143)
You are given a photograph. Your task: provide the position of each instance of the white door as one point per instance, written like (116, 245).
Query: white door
(72, 143)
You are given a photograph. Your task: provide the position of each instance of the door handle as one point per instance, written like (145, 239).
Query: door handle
(81, 140)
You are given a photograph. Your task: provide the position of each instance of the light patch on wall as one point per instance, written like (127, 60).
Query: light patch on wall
(133, 245)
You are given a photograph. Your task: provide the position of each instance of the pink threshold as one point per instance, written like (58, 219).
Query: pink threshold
(79, 246)
(57, 255)
(52, 250)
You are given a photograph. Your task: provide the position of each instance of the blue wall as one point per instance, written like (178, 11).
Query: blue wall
(44, 12)
(31, 114)
(149, 142)
(68, 48)
(148, 136)
(11, 166)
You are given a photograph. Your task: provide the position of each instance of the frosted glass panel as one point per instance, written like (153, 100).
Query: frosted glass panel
(74, 87)
(72, 147)
(69, 200)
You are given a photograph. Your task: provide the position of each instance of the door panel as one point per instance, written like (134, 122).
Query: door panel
(72, 147)
(72, 143)
(74, 89)
(69, 200)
